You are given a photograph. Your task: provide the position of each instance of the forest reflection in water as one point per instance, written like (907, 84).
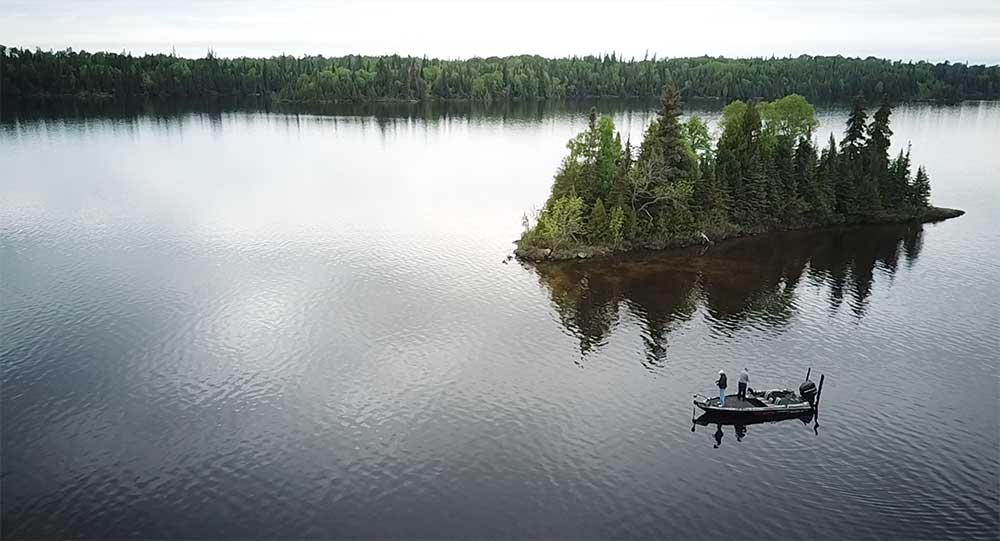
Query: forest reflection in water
(751, 281)
(384, 113)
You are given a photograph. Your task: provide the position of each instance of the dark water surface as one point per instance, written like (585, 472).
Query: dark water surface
(236, 324)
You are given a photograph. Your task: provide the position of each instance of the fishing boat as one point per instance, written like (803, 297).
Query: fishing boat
(773, 403)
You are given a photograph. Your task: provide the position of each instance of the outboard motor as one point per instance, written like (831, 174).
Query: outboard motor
(808, 392)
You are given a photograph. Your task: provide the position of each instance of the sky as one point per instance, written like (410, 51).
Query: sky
(959, 30)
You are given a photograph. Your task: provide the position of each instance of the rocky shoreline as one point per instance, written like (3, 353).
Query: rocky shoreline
(583, 251)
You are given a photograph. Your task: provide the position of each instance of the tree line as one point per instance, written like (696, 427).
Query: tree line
(763, 173)
(365, 78)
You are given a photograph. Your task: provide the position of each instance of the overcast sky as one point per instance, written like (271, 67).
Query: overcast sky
(960, 30)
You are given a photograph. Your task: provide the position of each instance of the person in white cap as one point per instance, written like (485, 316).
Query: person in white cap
(721, 382)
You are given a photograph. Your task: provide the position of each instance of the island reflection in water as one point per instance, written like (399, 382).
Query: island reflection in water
(751, 281)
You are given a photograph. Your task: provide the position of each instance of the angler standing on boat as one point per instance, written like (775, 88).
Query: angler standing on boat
(742, 385)
(721, 382)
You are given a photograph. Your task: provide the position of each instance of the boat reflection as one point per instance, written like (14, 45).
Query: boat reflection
(741, 424)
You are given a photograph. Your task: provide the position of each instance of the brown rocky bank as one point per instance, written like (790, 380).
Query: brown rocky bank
(584, 251)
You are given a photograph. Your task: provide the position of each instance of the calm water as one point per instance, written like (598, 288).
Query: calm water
(235, 324)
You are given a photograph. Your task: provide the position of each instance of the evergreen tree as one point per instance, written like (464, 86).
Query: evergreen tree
(866, 194)
(591, 168)
(852, 150)
(616, 195)
(665, 144)
(740, 167)
(815, 201)
(597, 225)
(830, 177)
(854, 136)
(920, 192)
(899, 178)
(710, 198)
(879, 135)
(783, 197)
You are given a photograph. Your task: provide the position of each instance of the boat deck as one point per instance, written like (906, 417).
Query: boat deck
(733, 401)
(756, 404)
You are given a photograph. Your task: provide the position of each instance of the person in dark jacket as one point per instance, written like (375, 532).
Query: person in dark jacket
(721, 382)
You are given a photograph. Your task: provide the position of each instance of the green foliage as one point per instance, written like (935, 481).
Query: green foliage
(792, 117)
(740, 164)
(394, 77)
(867, 197)
(710, 199)
(561, 222)
(877, 151)
(616, 226)
(920, 193)
(698, 138)
(731, 115)
(814, 190)
(665, 152)
(598, 229)
(759, 177)
(854, 136)
(898, 182)
(784, 202)
(591, 167)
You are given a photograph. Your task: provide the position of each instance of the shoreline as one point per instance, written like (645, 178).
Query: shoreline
(584, 251)
(279, 100)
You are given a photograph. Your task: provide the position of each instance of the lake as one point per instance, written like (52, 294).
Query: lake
(245, 322)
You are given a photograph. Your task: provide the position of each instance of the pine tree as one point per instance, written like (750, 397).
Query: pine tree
(814, 200)
(783, 200)
(627, 157)
(831, 178)
(597, 224)
(867, 197)
(899, 180)
(740, 167)
(591, 168)
(710, 199)
(853, 196)
(877, 150)
(616, 194)
(920, 191)
(853, 144)
(665, 144)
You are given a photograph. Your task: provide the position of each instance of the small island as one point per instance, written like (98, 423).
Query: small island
(764, 174)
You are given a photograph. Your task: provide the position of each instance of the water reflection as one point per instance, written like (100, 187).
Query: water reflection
(133, 109)
(741, 427)
(748, 282)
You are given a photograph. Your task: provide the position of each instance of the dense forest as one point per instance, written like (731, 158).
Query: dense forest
(366, 78)
(763, 173)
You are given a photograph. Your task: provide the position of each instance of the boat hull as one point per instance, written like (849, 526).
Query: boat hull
(775, 403)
